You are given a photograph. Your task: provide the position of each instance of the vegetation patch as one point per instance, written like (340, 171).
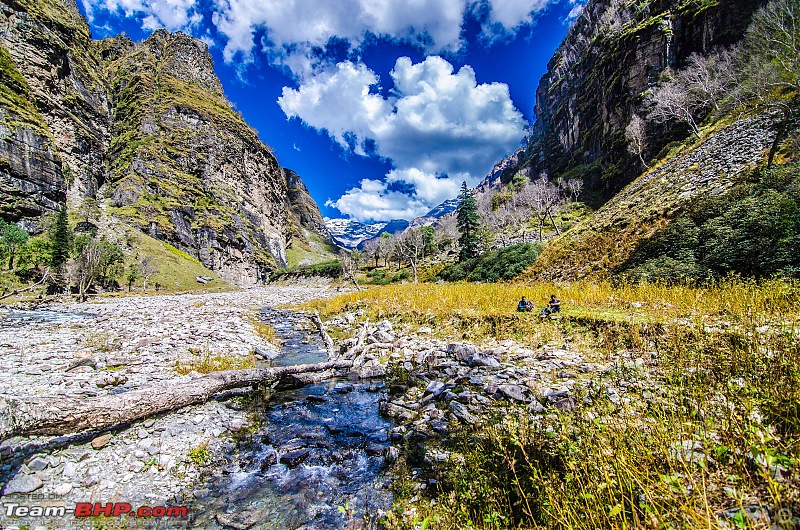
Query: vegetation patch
(216, 362)
(503, 264)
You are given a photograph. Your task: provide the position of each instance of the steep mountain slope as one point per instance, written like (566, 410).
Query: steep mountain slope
(146, 129)
(55, 111)
(706, 168)
(597, 79)
(185, 167)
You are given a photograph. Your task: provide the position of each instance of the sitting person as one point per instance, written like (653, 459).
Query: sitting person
(553, 306)
(524, 305)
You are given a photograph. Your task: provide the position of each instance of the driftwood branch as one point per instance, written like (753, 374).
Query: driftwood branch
(324, 334)
(65, 415)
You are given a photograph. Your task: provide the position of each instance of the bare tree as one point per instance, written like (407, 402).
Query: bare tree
(386, 245)
(147, 268)
(543, 197)
(411, 247)
(575, 186)
(709, 78)
(770, 62)
(351, 261)
(372, 250)
(87, 265)
(673, 101)
(447, 233)
(636, 135)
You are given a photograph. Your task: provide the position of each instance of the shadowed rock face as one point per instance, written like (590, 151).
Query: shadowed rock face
(595, 82)
(146, 126)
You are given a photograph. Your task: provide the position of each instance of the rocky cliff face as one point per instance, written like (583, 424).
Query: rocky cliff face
(145, 128)
(596, 80)
(185, 167)
(305, 212)
(56, 131)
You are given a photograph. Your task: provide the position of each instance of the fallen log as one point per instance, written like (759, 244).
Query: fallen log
(67, 415)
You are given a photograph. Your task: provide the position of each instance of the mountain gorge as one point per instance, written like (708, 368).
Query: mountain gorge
(147, 131)
(615, 63)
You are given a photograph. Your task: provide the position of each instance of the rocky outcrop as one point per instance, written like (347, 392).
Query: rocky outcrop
(147, 129)
(305, 212)
(597, 78)
(185, 167)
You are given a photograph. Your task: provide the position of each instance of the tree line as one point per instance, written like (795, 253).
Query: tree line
(71, 259)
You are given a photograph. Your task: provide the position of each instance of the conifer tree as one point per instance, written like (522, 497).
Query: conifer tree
(468, 222)
(60, 241)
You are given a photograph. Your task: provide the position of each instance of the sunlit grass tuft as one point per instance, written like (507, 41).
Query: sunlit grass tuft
(217, 362)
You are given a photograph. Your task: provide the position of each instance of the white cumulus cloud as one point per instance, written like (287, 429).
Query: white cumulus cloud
(438, 127)
(293, 29)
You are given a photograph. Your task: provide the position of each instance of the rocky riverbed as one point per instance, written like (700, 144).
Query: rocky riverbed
(423, 385)
(112, 345)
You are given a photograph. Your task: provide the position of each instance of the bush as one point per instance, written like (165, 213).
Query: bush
(328, 269)
(754, 231)
(503, 264)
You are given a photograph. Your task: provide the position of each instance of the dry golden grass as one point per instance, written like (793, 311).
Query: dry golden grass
(216, 362)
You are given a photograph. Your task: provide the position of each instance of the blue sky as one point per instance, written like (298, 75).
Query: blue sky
(383, 107)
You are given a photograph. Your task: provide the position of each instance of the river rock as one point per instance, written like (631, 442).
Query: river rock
(22, 483)
(269, 460)
(38, 464)
(240, 520)
(101, 441)
(294, 458)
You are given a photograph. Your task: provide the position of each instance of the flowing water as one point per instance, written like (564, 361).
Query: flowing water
(316, 460)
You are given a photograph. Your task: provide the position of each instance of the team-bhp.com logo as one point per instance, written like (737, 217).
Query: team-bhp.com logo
(88, 509)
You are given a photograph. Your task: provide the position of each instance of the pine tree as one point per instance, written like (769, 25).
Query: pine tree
(468, 222)
(60, 241)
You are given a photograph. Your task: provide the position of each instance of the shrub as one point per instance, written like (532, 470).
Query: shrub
(754, 231)
(503, 264)
(328, 269)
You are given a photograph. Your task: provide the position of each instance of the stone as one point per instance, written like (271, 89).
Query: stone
(269, 460)
(22, 483)
(424, 330)
(480, 359)
(392, 454)
(375, 449)
(62, 489)
(562, 401)
(241, 519)
(142, 434)
(535, 407)
(101, 441)
(38, 464)
(383, 336)
(294, 458)
(69, 470)
(515, 392)
(462, 352)
(435, 388)
(384, 326)
(461, 412)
